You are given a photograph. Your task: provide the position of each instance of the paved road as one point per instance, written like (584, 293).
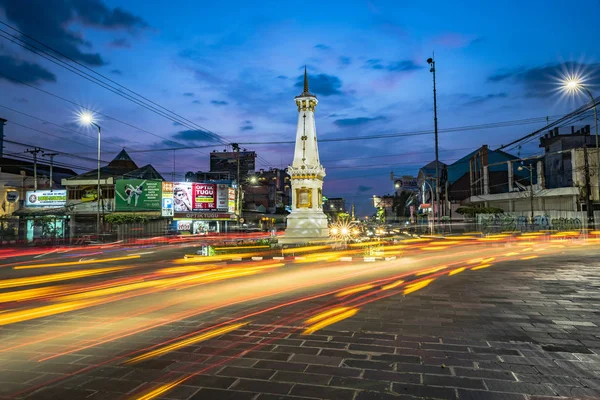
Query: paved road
(508, 321)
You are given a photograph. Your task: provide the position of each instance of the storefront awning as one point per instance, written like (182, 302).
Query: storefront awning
(34, 212)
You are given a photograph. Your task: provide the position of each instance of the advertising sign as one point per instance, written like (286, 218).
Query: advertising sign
(167, 199)
(231, 201)
(138, 195)
(407, 183)
(182, 196)
(222, 197)
(12, 196)
(46, 198)
(211, 216)
(204, 196)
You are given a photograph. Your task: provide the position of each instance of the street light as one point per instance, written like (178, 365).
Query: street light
(530, 169)
(87, 118)
(431, 62)
(574, 84)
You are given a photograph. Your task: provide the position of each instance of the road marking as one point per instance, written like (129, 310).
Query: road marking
(345, 258)
(45, 254)
(257, 258)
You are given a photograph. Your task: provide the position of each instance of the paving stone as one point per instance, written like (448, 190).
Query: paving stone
(252, 373)
(334, 371)
(322, 392)
(484, 373)
(381, 396)
(57, 393)
(343, 354)
(453, 381)
(361, 384)
(111, 385)
(319, 360)
(425, 369)
(216, 394)
(365, 364)
(281, 365)
(264, 396)
(392, 376)
(423, 391)
(265, 355)
(396, 358)
(484, 395)
(211, 381)
(297, 350)
(494, 350)
(518, 387)
(262, 386)
(371, 348)
(299, 377)
(556, 380)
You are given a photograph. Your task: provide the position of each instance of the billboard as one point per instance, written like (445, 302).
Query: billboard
(222, 197)
(231, 200)
(46, 198)
(188, 196)
(167, 199)
(407, 183)
(205, 196)
(138, 195)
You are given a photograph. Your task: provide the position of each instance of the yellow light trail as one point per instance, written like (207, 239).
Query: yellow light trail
(330, 321)
(28, 294)
(512, 253)
(413, 287)
(529, 257)
(417, 240)
(482, 266)
(187, 342)
(456, 271)
(326, 314)
(354, 290)
(294, 250)
(431, 271)
(161, 389)
(71, 263)
(61, 276)
(392, 285)
(242, 247)
(44, 311)
(434, 247)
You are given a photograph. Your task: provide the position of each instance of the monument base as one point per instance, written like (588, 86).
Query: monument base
(305, 227)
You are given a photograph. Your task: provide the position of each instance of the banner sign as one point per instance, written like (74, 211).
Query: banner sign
(222, 197)
(231, 201)
(46, 198)
(206, 216)
(407, 183)
(138, 195)
(167, 199)
(204, 196)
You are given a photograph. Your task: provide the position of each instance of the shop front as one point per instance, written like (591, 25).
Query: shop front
(202, 223)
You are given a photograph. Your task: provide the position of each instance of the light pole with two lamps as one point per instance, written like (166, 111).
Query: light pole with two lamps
(88, 119)
(431, 62)
(574, 84)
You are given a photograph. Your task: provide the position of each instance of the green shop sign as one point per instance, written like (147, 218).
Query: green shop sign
(138, 195)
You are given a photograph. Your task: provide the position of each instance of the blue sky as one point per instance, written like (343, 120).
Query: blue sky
(232, 69)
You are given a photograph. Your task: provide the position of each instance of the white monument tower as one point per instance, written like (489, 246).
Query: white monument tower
(307, 222)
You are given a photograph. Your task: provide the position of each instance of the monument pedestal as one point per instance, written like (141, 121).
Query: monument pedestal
(305, 227)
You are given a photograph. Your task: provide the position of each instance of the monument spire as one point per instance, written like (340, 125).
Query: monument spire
(307, 222)
(305, 80)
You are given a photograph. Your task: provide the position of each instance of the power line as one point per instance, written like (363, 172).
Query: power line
(156, 108)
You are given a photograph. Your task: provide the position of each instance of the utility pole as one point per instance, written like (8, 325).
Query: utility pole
(236, 148)
(35, 152)
(51, 155)
(588, 188)
(531, 192)
(431, 62)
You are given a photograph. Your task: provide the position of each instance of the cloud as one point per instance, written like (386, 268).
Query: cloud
(282, 77)
(363, 188)
(188, 94)
(397, 66)
(322, 47)
(60, 15)
(455, 40)
(196, 136)
(196, 102)
(246, 128)
(344, 61)
(120, 43)
(483, 99)
(349, 122)
(542, 80)
(321, 84)
(15, 70)
(219, 102)
(116, 72)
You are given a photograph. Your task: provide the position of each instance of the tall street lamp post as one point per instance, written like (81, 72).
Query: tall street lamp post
(574, 84)
(530, 169)
(431, 62)
(88, 119)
